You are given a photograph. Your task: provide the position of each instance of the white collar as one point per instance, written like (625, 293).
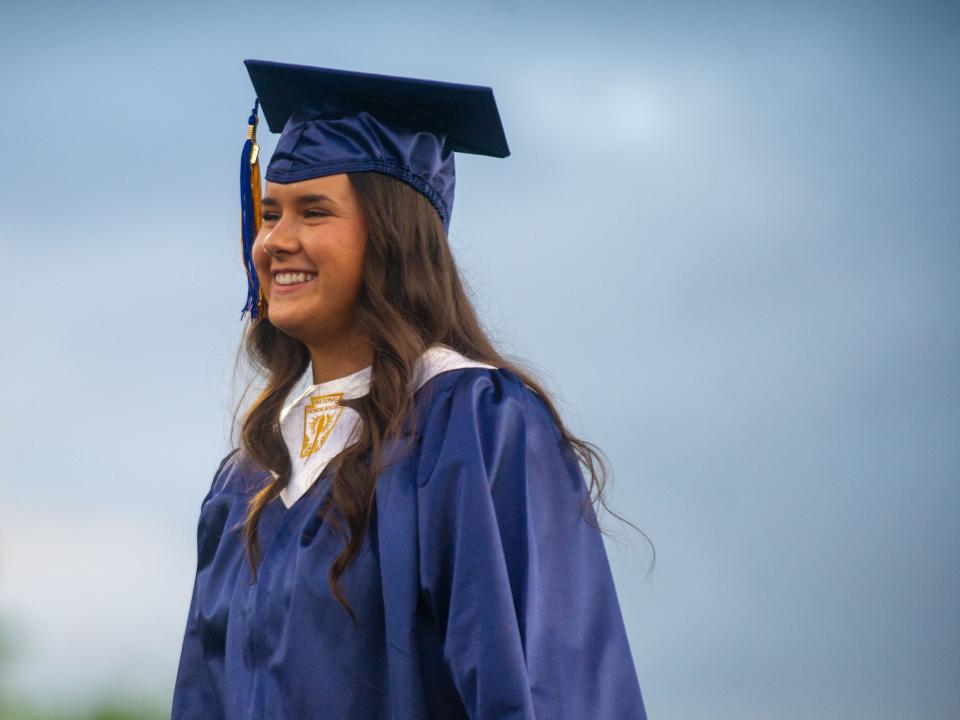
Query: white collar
(436, 359)
(319, 428)
(356, 384)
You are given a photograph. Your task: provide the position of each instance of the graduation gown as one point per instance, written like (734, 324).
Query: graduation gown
(480, 590)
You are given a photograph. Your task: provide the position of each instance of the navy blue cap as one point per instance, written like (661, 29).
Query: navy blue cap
(335, 121)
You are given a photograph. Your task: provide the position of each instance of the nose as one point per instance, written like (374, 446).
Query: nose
(280, 240)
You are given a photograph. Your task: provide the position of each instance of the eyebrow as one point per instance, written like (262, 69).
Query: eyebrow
(300, 200)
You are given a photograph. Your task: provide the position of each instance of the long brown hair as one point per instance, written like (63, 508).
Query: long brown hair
(411, 298)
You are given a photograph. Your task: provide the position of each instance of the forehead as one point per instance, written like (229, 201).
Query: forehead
(335, 187)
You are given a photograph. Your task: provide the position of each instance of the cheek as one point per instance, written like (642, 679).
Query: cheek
(338, 258)
(353, 255)
(261, 261)
(351, 271)
(259, 256)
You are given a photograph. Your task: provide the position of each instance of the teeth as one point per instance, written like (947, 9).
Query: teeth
(291, 278)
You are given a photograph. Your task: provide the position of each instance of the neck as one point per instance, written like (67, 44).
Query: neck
(330, 361)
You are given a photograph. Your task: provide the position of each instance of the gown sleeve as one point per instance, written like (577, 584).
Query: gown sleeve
(197, 690)
(517, 582)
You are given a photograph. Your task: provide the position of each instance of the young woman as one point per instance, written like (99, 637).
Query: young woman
(411, 536)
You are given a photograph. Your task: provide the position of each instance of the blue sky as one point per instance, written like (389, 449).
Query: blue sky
(726, 238)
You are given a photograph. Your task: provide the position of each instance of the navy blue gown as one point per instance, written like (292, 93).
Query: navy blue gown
(480, 590)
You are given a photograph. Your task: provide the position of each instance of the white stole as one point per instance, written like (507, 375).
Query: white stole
(316, 429)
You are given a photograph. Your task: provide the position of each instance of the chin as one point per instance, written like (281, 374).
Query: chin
(292, 323)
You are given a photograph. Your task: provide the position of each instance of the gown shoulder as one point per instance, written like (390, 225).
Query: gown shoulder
(511, 567)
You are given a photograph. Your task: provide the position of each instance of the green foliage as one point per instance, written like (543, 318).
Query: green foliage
(107, 710)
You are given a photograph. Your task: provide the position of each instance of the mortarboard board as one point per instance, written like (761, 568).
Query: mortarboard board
(336, 121)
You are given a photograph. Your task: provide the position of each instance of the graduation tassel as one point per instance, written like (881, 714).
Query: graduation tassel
(250, 213)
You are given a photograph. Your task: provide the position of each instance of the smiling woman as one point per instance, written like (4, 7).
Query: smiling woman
(412, 536)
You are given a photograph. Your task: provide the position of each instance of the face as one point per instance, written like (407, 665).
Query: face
(309, 257)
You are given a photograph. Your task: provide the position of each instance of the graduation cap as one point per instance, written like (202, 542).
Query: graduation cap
(337, 121)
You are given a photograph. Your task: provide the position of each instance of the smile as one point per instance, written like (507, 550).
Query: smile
(295, 278)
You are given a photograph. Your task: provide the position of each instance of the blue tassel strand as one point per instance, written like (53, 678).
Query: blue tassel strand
(250, 212)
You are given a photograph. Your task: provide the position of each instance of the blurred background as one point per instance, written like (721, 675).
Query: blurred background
(727, 238)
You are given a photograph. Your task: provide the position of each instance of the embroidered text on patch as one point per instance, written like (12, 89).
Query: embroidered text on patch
(319, 417)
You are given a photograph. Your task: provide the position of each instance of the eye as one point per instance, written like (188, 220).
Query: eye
(269, 216)
(313, 212)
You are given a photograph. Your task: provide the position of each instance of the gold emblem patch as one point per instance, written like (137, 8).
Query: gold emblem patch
(319, 417)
